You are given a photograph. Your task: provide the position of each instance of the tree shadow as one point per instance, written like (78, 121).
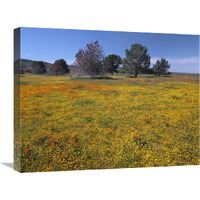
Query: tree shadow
(150, 76)
(96, 78)
(102, 77)
(166, 76)
(8, 165)
(130, 76)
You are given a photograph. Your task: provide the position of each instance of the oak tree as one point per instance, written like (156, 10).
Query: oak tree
(38, 67)
(59, 67)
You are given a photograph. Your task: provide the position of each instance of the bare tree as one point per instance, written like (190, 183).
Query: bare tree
(89, 61)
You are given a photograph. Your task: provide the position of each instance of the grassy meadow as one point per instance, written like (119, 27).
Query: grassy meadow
(76, 124)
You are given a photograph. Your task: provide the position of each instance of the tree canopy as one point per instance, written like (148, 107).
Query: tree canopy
(137, 59)
(89, 61)
(59, 67)
(161, 67)
(38, 67)
(111, 63)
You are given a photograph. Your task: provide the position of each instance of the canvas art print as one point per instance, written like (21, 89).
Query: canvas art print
(104, 99)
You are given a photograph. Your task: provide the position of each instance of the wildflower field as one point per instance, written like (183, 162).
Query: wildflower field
(76, 124)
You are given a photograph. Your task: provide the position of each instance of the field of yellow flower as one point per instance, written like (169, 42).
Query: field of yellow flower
(76, 124)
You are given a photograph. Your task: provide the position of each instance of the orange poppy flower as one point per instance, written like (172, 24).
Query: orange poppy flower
(27, 150)
(63, 155)
(51, 144)
(52, 139)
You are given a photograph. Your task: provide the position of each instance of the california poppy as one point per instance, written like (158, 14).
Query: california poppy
(51, 144)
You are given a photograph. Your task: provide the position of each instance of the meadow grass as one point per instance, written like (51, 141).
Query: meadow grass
(76, 124)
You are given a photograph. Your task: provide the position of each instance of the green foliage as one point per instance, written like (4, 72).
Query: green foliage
(38, 67)
(22, 71)
(161, 67)
(59, 67)
(68, 124)
(27, 65)
(111, 63)
(137, 60)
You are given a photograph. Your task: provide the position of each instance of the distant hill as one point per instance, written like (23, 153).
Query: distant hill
(27, 64)
(186, 73)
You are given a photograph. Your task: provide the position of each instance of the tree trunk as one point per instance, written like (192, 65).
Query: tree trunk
(135, 75)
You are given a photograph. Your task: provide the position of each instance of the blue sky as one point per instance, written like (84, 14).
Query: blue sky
(182, 51)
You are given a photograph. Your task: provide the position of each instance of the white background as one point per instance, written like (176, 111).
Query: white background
(171, 16)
